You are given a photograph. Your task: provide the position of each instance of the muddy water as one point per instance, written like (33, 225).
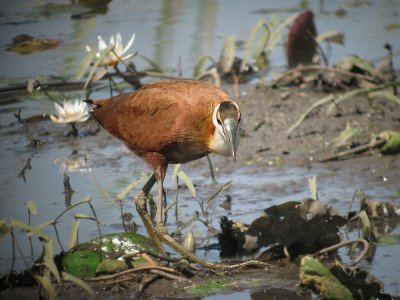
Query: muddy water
(99, 166)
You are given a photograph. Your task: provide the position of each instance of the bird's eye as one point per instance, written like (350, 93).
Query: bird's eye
(219, 122)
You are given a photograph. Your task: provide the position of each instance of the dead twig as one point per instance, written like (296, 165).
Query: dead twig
(345, 243)
(168, 275)
(130, 271)
(321, 69)
(356, 150)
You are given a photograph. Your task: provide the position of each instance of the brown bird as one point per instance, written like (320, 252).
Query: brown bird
(170, 122)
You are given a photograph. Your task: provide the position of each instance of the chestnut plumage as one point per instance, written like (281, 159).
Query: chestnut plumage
(173, 121)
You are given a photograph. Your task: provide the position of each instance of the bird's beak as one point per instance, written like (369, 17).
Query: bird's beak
(231, 131)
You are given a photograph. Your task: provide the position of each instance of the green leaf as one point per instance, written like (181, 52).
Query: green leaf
(111, 266)
(30, 85)
(392, 145)
(188, 182)
(345, 135)
(316, 275)
(228, 54)
(81, 262)
(312, 183)
(199, 65)
(48, 259)
(85, 63)
(221, 189)
(262, 42)
(331, 36)
(190, 242)
(31, 205)
(260, 23)
(4, 228)
(384, 94)
(276, 33)
(28, 228)
(73, 235)
(98, 61)
(45, 282)
(100, 74)
(175, 172)
(388, 240)
(83, 216)
(366, 224)
(121, 195)
(393, 26)
(80, 283)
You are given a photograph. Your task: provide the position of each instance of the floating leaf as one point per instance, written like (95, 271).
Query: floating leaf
(81, 262)
(73, 236)
(80, 283)
(188, 182)
(111, 266)
(393, 26)
(83, 259)
(331, 36)
(219, 285)
(388, 240)
(31, 205)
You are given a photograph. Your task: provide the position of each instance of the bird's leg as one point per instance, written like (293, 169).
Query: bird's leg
(140, 202)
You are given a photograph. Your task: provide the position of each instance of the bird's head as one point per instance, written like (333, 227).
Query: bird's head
(226, 119)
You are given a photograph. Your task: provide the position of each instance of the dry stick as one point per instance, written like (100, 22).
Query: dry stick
(98, 228)
(145, 284)
(13, 253)
(345, 243)
(161, 234)
(168, 275)
(320, 68)
(336, 100)
(129, 271)
(355, 150)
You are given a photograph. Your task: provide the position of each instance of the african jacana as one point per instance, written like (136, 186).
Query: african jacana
(170, 122)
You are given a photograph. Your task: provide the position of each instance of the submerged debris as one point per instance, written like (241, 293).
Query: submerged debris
(297, 227)
(26, 44)
(338, 281)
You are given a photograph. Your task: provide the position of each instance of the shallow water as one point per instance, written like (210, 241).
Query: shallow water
(166, 31)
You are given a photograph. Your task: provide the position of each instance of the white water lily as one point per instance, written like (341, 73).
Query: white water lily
(117, 52)
(71, 112)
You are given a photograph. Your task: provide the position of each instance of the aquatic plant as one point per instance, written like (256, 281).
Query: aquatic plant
(116, 52)
(71, 112)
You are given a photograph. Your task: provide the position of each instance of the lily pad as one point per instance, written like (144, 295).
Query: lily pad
(83, 259)
(215, 286)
